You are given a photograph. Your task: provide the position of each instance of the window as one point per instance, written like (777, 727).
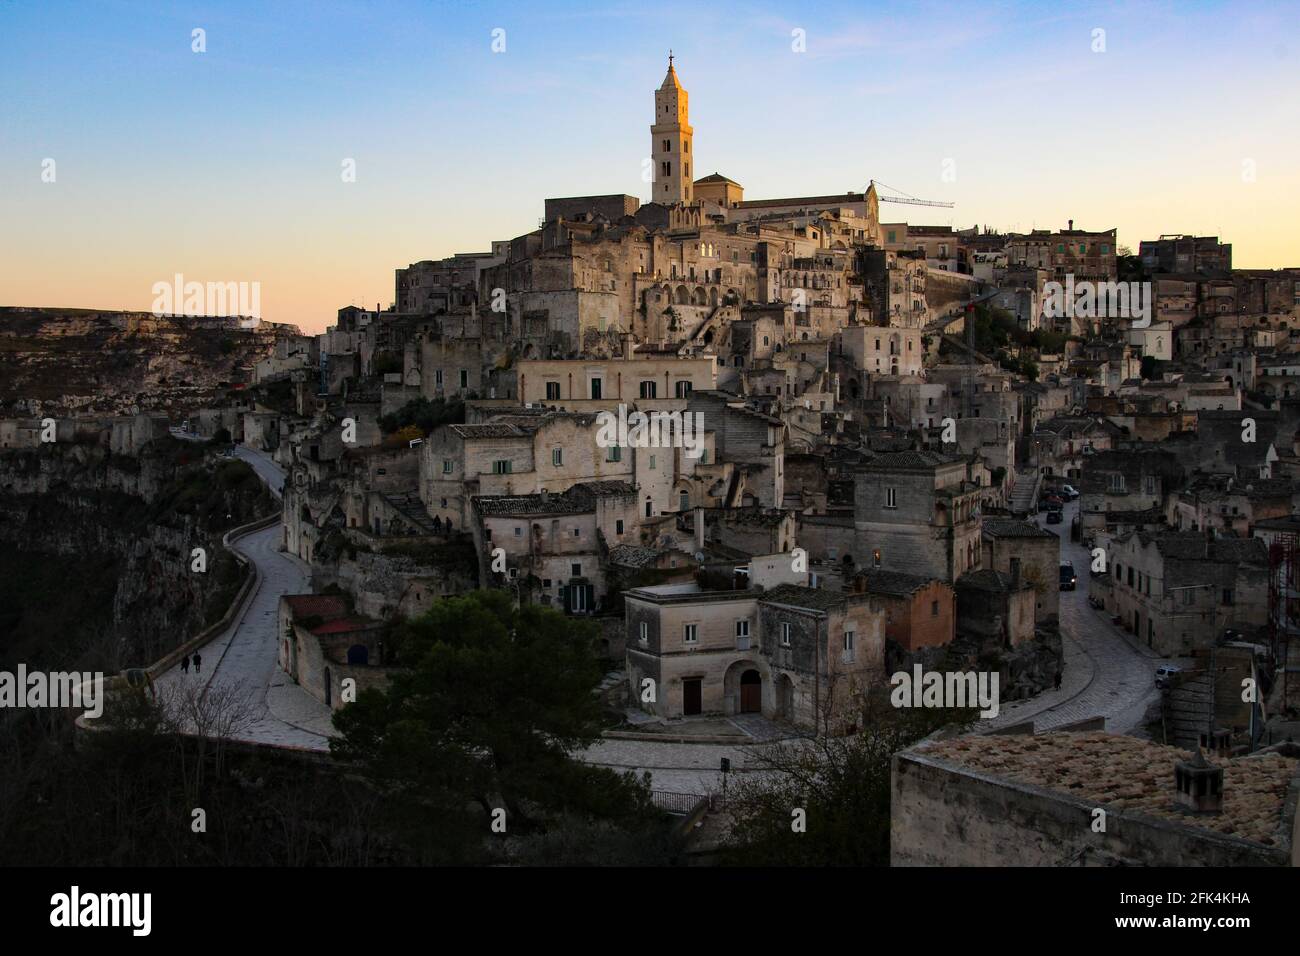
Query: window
(785, 634)
(649, 389)
(557, 456)
(618, 526)
(615, 453)
(848, 647)
(1117, 482)
(668, 146)
(644, 636)
(576, 569)
(446, 466)
(691, 634)
(668, 169)
(1130, 576)
(934, 608)
(553, 391)
(437, 377)
(577, 532)
(891, 498)
(1227, 596)
(652, 462)
(464, 378)
(546, 582)
(595, 388)
(742, 628)
(501, 467)
(519, 531)
(1188, 596)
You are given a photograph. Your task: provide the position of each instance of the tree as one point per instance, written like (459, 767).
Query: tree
(424, 414)
(491, 702)
(842, 785)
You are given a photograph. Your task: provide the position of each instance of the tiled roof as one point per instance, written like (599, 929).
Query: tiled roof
(1125, 773)
(909, 461)
(489, 430)
(879, 581)
(1010, 528)
(987, 579)
(579, 499)
(632, 556)
(325, 606)
(814, 599)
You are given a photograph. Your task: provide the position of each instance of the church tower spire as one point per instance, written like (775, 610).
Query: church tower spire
(670, 141)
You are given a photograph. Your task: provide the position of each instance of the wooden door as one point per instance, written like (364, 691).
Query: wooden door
(692, 697)
(751, 693)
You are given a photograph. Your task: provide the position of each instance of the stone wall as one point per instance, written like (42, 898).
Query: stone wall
(944, 815)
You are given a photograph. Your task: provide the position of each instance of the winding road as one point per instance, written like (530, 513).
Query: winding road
(280, 712)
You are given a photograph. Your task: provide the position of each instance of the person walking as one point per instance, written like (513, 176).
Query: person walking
(185, 664)
(197, 661)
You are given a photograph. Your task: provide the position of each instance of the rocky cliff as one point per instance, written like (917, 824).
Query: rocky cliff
(60, 361)
(113, 537)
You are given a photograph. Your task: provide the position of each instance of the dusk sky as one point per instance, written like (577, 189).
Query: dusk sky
(226, 165)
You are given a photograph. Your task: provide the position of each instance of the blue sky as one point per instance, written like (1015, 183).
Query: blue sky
(226, 164)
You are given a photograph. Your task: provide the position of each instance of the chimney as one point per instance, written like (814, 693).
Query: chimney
(1070, 227)
(1198, 784)
(699, 529)
(627, 345)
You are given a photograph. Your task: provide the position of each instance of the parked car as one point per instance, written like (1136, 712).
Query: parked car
(1068, 492)
(1068, 578)
(1054, 517)
(1165, 673)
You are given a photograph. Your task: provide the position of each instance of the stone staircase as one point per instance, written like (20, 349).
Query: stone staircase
(1024, 497)
(411, 508)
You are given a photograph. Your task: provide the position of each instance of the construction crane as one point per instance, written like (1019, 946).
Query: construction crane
(910, 200)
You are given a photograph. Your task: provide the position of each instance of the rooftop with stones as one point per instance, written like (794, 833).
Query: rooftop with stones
(1125, 773)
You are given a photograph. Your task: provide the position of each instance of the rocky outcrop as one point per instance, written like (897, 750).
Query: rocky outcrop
(138, 520)
(62, 361)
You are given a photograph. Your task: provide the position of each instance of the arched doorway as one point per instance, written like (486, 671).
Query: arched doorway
(358, 654)
(329, 688)
(751, 692)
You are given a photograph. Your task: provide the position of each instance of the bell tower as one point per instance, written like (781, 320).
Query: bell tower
(670, 147)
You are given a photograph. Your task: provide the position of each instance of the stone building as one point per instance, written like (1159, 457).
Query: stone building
(555, 545)
(1179, 591)
(919, 611)
(916, 512)
(1037, 553)
(322, 645)
(791, 653)
(1031, 800)
(995, 607)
